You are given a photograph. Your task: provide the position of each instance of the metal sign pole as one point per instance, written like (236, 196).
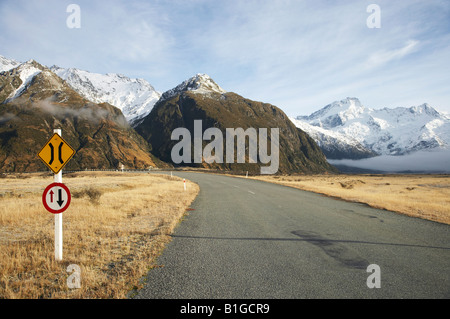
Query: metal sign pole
(58, 218)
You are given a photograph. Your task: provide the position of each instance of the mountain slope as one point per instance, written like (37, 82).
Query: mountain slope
(34, 101)
(134, 97)
(200, 98)
(347, 129)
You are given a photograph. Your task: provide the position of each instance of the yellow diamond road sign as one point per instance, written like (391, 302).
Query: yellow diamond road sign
(56, 153)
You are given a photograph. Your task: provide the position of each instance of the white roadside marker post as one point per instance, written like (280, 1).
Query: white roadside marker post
(184, 181)
(58, 218)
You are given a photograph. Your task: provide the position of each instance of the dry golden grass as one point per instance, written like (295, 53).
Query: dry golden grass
(116, 226)
(423, 196)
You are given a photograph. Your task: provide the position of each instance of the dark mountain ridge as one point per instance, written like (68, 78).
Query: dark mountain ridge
(298, 153)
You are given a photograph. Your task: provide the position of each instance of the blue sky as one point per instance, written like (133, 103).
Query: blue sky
(297, 55)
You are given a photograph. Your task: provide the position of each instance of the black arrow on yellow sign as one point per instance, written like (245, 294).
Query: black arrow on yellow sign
(52, 155)
(60, 153)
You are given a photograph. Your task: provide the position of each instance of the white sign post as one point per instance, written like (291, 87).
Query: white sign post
(58, 218)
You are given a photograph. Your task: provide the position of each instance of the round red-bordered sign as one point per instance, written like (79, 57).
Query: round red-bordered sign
(56, 198)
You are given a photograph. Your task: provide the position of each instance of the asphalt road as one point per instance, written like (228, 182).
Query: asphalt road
(247, 239)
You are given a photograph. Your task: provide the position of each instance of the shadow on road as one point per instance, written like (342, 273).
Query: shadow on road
(313, 240)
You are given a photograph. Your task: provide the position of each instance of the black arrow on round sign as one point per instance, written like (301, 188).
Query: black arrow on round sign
(60, 201)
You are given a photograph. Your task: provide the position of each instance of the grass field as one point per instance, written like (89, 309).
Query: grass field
(118, 223)
(422, 196)
(116, 226)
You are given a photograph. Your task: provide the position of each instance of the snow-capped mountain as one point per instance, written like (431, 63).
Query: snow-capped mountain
(7, 64)
(347, 129)
(200, 83)
(134, 97)
(34, 101)
(26, 72)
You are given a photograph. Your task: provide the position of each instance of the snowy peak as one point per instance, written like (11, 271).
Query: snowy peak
(336, 113)
(26, 66)
(21, 77)
(335, 108)
(424, 109)
(348, 125)
(200, 83)
(134, 97)
(7, 64)
(32, 81)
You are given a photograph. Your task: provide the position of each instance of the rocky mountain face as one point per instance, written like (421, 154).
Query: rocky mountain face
(34, 101)
(200, 98)
(348, 130)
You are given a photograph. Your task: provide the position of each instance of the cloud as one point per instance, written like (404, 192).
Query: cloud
(298, 55)
(6, 117)
(383, 57)
(422, 161)
(92, 114)
(302, 56)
